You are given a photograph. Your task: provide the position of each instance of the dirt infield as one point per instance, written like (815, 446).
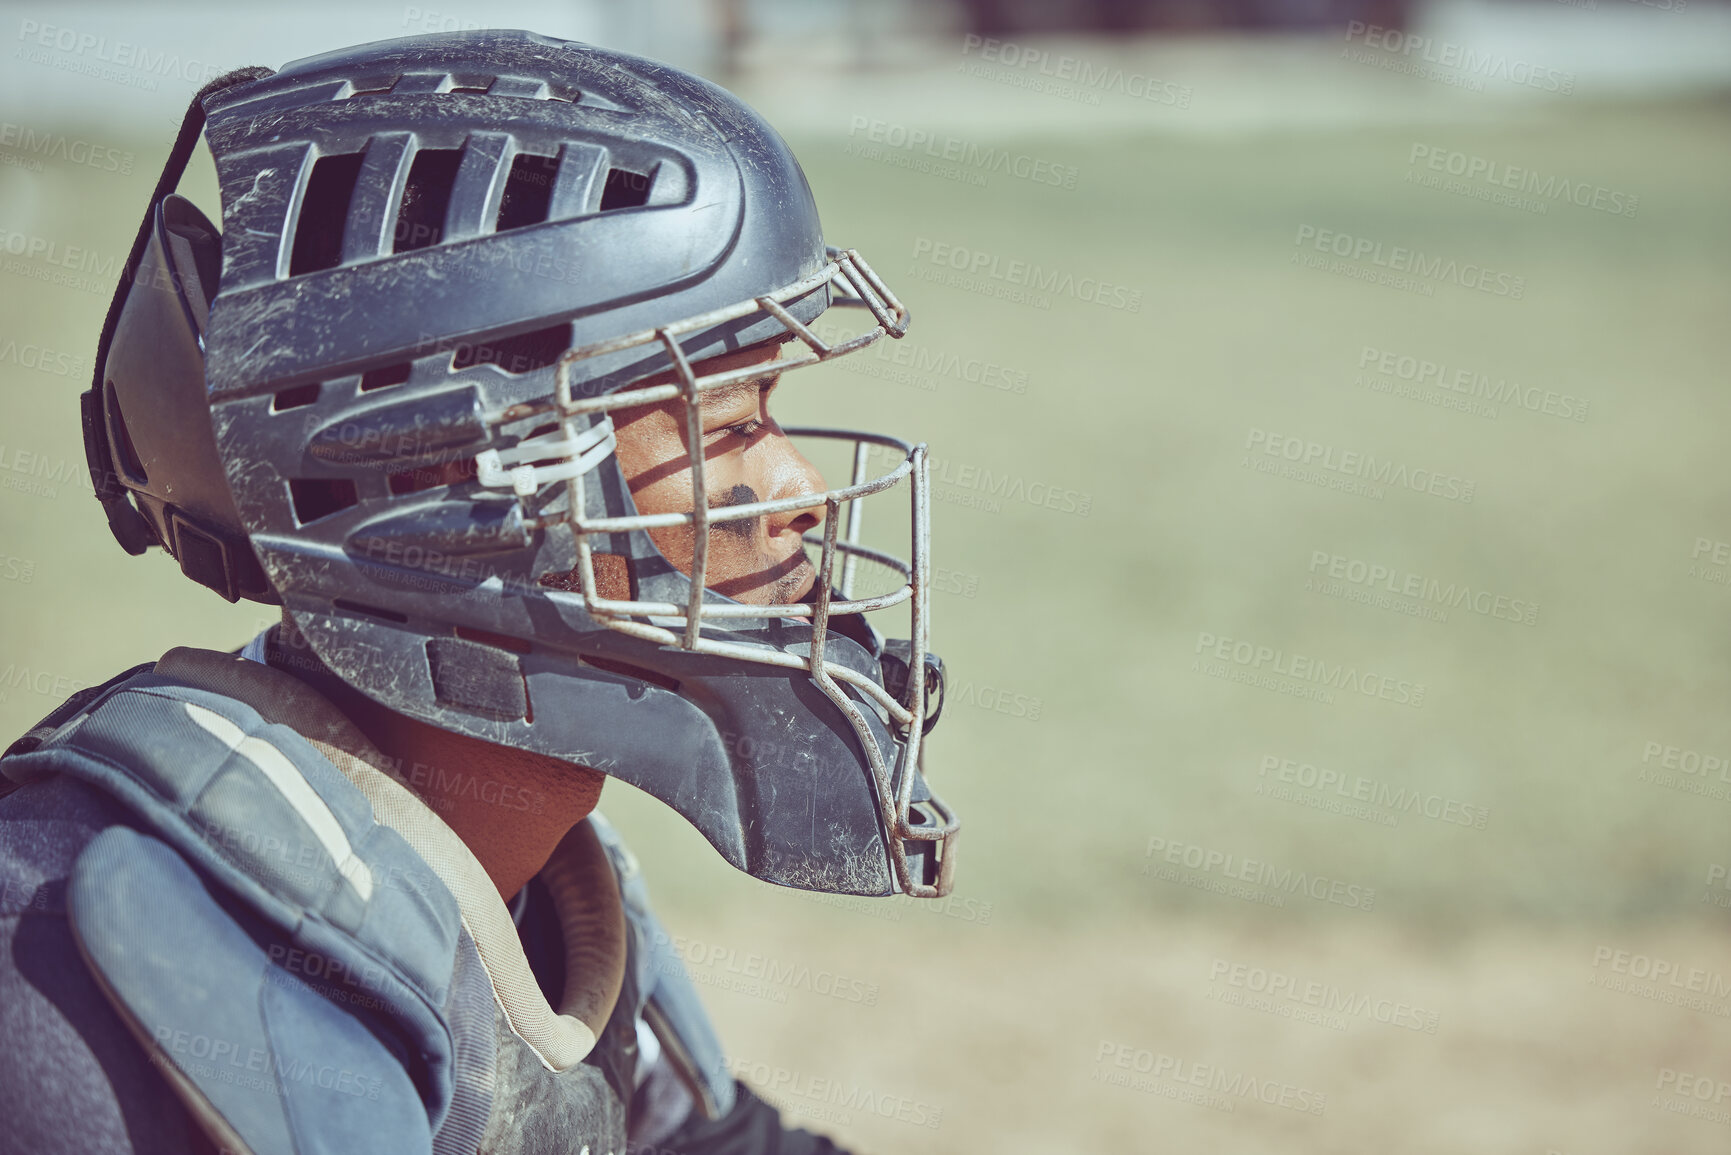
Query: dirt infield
(1192, 1035)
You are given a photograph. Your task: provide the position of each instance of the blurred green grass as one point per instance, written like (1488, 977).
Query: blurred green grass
(1097, 618)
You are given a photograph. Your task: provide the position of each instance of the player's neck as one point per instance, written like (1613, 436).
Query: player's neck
(509, 807)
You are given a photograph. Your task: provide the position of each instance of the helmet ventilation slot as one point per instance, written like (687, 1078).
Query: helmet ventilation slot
(486, 637)
(324, 209)
(295, 398)
(625, 189)
(468, 83)
(523, 353)
(528, 192)
(362, 85)
(383, 615)
(317, 497)
(383, 378)
(426, 196)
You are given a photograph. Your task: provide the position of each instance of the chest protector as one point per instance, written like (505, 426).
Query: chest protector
(315, 962)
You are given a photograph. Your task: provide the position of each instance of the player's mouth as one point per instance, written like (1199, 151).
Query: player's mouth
(791, 579)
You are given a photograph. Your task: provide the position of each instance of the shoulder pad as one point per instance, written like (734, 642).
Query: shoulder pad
(259, 908)
(266, 1063)
(75, 703)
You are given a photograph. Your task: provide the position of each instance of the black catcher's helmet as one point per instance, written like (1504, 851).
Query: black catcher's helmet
(474, 247)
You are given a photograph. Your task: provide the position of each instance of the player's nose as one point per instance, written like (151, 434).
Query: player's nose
(792, 475)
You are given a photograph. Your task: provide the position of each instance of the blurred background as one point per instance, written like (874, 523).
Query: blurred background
(1329, 418)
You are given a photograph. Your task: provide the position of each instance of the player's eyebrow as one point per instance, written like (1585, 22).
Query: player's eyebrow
(730, 394)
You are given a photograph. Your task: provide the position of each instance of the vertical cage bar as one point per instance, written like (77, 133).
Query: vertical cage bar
(825, 574)
(855, 512)
(577, 498)
(920, 580)
(699, 492)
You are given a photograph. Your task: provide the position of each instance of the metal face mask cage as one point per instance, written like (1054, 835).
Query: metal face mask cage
(571, 451)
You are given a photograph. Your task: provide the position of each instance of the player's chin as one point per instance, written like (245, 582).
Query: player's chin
(788, 580)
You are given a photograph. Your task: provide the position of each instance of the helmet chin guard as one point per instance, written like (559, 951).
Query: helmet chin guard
(475, 247)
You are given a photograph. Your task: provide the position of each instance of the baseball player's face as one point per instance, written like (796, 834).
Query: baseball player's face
(747, 458)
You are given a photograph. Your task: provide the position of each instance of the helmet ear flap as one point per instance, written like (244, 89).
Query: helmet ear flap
(153, 410)
(132, 529)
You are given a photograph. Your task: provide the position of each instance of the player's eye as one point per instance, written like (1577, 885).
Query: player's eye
(748, 429)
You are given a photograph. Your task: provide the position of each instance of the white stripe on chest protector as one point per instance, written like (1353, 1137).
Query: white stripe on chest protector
(295, 789)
